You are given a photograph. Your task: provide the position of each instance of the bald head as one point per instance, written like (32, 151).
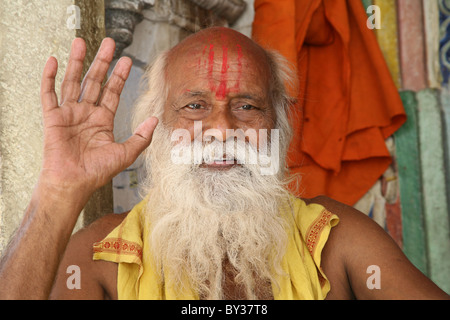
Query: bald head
(222, 55)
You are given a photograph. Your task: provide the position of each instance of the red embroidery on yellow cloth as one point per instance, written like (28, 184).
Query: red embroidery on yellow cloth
(118, 246)
(315, 230)
(313, 234)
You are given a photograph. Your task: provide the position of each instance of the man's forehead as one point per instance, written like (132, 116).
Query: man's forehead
(217, 41)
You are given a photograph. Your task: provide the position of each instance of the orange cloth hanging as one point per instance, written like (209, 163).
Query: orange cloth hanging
(347, 102)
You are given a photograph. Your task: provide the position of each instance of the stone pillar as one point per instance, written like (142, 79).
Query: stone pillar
(31, 31)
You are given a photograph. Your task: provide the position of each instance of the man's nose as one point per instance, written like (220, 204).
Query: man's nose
(217, 124)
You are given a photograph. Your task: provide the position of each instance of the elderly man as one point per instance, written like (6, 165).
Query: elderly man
(213, 224)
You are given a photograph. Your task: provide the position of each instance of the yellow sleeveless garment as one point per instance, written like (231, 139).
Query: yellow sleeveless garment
(309, 230)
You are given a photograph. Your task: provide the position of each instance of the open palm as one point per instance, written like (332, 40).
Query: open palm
(79, 147)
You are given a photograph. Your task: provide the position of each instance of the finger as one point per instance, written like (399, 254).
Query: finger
(70, 87)
(49, 100)
(140, 140)
(92, 82)
(111, 92)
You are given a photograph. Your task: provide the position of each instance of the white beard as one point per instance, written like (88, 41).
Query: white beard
(201, 217)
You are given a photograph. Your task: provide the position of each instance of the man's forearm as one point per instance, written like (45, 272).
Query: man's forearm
(29, 265)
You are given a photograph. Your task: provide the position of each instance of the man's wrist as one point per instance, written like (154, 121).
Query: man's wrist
(71, 192)
(59, 203)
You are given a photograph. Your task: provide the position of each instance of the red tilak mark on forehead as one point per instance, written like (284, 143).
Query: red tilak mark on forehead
(211, 67)
(239, 59)
(222, 90)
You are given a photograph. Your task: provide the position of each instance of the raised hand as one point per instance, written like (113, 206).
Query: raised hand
(80, 154)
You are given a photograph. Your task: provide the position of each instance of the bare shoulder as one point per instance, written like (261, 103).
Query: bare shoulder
(97, 278)
(352, 223)
(362, 261)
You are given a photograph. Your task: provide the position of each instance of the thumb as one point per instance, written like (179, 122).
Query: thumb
(140, 139)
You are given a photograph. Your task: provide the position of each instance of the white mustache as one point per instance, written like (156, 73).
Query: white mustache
(231, 151)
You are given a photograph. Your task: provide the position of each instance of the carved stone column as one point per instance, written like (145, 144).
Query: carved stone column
(121, 16)
(190, 15)
(228, 9)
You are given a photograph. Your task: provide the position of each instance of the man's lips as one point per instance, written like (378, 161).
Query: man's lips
(220, 164)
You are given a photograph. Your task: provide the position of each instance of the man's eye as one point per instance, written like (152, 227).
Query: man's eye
(193, 106)
(248, 107)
